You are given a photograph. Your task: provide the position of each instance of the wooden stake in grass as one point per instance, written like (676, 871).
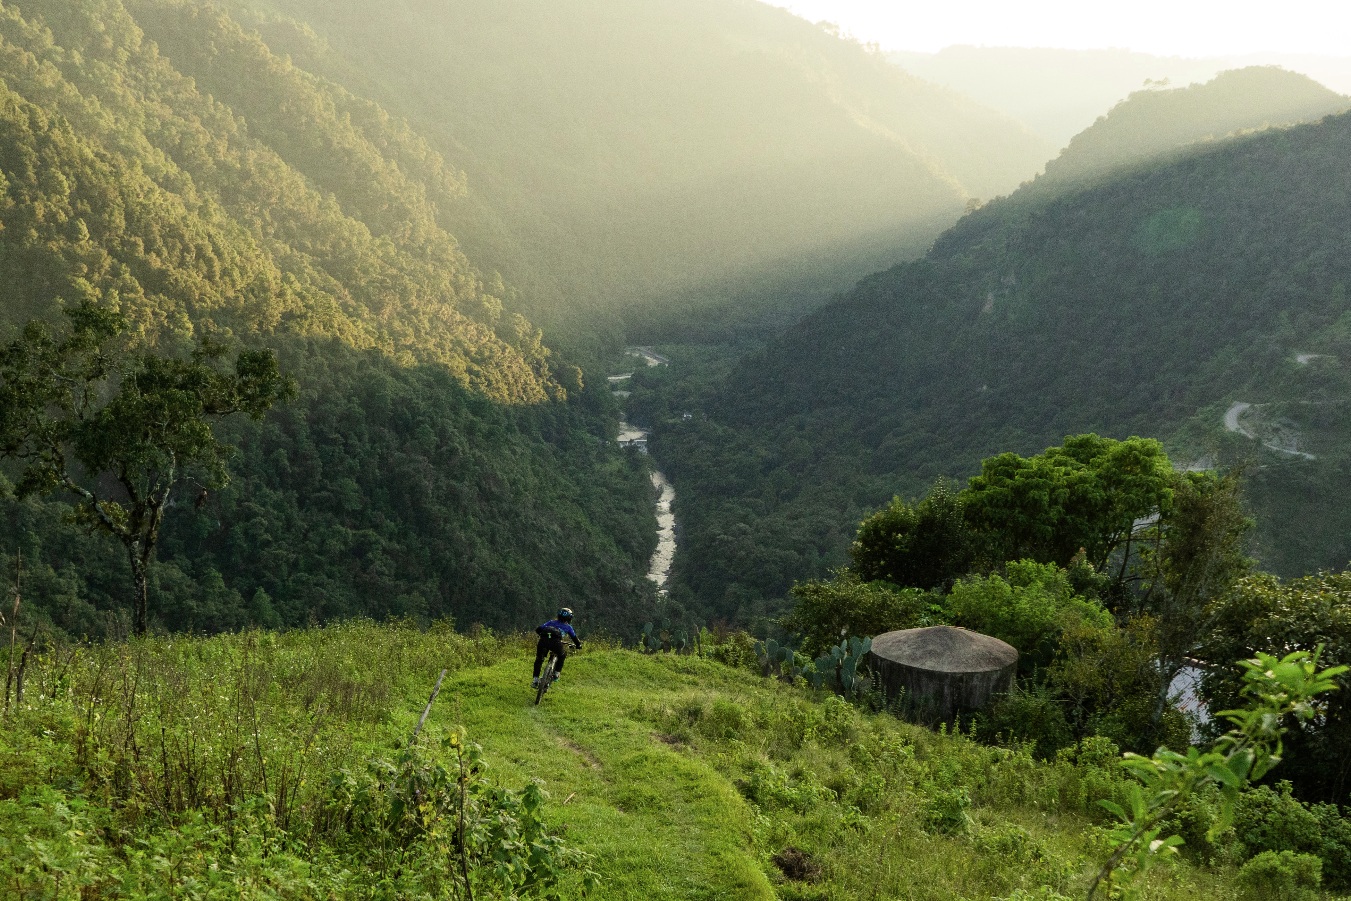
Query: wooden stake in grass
(13, 624)
(427, 710)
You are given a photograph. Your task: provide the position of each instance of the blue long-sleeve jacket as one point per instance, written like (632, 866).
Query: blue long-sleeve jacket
(554, 625)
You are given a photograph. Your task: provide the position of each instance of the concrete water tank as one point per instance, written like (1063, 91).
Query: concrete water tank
(942, 669)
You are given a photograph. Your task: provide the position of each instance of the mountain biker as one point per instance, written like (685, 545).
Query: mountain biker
(551, 639)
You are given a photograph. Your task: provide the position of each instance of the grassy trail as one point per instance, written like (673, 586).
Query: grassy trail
(661, 822)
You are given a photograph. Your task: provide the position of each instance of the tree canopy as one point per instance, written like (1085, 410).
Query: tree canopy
(1086, 495)
(73, 410)
(921, 545)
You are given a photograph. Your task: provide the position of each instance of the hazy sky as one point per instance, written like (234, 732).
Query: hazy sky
(1163, 27)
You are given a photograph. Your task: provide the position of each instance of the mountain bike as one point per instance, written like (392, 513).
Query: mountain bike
(547, 677)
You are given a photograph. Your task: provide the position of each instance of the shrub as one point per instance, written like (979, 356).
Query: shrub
(837, 723)
(945, 812)
(1027, 714)
(1191, 819)
(1027, 609)
(737, 651)
(1284, 874)
(724, 721)
(1334, 832)
(1267, 820)
(826, 612)
(769, 786)
(1108, 678)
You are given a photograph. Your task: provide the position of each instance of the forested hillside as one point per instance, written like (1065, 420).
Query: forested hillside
(643, 159)
(1148, 305)
(439, 460)
(126, 183)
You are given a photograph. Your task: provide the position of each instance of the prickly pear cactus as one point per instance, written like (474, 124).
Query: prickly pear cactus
(848, 672)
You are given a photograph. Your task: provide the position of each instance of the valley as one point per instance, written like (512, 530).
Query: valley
(344, 342)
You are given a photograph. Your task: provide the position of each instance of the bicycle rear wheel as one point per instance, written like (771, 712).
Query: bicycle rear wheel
(546, 678)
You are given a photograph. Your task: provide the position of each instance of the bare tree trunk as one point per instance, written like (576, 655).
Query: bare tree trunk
(139, 567)
(14, 627)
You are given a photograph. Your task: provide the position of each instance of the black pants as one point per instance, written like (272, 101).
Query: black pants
(542, 650)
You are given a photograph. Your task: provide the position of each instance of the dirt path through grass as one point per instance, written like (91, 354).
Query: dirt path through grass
(661, 822)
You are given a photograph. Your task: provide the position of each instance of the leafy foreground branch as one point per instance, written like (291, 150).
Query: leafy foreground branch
(1276, 688)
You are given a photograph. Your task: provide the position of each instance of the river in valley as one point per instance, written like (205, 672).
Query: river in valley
(659, 569)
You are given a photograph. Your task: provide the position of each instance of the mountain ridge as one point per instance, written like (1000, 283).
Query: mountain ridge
(681, 151)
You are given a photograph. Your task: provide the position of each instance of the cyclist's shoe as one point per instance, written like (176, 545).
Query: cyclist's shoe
(534, 683)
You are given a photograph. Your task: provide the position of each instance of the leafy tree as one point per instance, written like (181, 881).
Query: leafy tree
(922, 545)
(827, 612)
(1197, 556)
(1027, 609)
(1088, 494)
(74, 411)
(1263, 613)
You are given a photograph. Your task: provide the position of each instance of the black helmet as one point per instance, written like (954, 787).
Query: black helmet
(564, 613)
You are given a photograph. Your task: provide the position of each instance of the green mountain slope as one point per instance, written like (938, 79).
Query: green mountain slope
(1146, 305)
(683, 778)
(439, 461)
(629, 156)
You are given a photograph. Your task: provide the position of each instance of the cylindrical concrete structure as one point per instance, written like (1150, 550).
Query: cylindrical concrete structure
(942, 670)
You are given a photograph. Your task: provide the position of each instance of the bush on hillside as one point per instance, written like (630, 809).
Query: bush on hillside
(846, 607)
(736, 650)
(1108, 678)
(921, 545)
(1029, 713)
(945, 813)
(1027, 608)
(1274, 820)
(1267, 820)
(1285, 875)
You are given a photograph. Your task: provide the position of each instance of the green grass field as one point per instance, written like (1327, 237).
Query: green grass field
(202, 768)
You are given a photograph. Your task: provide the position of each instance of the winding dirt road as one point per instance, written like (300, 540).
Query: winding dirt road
(1231, 423)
